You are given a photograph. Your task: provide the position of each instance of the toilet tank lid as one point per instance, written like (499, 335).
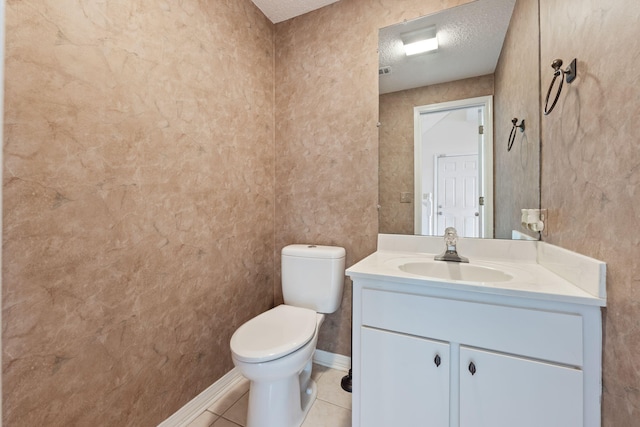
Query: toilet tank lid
(314, 251)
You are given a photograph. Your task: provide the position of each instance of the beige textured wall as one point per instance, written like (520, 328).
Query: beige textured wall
(396, 145)
(591, 171)
(326, 134)
(517, 88)
(138, 203)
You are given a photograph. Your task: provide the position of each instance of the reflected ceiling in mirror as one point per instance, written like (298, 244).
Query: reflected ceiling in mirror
(469, 38)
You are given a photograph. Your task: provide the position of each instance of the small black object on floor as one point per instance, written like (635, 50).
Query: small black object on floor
(346, 382)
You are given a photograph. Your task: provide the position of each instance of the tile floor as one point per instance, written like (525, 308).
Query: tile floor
(332, 407)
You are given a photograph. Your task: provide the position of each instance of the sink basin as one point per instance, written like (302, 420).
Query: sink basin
(455, 271)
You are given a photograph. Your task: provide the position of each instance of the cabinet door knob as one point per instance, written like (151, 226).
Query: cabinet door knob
(437, 360)
(472, 368)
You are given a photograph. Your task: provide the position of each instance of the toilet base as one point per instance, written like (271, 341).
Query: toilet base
(282, 403)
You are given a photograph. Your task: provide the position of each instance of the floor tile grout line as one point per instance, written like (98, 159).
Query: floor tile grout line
(332, 403)
(230, 406)
(232, 422)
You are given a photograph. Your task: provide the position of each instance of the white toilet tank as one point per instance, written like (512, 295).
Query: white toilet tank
(313, 276)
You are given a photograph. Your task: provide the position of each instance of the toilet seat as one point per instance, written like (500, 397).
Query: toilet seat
(274, 334)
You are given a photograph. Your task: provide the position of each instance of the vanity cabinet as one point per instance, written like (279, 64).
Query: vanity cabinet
(439, 358)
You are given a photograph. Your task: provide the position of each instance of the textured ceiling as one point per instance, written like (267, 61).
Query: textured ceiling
(281, 10)
(470, 38)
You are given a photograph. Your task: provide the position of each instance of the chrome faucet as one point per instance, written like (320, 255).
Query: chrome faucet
(451, 252)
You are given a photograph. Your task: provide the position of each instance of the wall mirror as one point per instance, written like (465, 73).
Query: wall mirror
(446, 117)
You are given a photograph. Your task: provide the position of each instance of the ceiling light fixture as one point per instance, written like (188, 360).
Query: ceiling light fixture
(420, 41)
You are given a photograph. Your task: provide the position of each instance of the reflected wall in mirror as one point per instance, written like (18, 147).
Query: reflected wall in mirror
(510, 78)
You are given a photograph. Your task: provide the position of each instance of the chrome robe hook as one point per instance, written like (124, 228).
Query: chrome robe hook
(570, 74)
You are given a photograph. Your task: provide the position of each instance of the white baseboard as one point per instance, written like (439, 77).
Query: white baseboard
(215, 391)
(201, 402)
(332, 360)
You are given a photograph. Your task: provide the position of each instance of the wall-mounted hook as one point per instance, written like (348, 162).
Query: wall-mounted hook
(570, 74)
(512, 135)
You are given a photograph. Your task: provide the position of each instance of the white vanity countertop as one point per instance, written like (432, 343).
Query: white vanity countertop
(540, 271)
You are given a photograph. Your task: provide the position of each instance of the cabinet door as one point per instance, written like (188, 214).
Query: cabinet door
(507, 391)
(404, 380)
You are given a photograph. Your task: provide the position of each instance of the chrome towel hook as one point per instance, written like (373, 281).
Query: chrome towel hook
(512, 135)
(570, 74)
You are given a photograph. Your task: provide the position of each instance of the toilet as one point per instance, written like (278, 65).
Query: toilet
(274, 350)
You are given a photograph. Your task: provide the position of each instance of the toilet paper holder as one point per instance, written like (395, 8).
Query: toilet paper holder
(533, 219)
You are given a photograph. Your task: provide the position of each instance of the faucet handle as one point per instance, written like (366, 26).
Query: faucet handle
(450, 237)
(451, 252)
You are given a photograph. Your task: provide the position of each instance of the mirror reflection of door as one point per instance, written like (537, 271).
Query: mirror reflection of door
(456, 185)
(454, 168)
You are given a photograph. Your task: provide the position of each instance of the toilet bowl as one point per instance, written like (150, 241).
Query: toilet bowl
(274, 350)
(281, 391)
